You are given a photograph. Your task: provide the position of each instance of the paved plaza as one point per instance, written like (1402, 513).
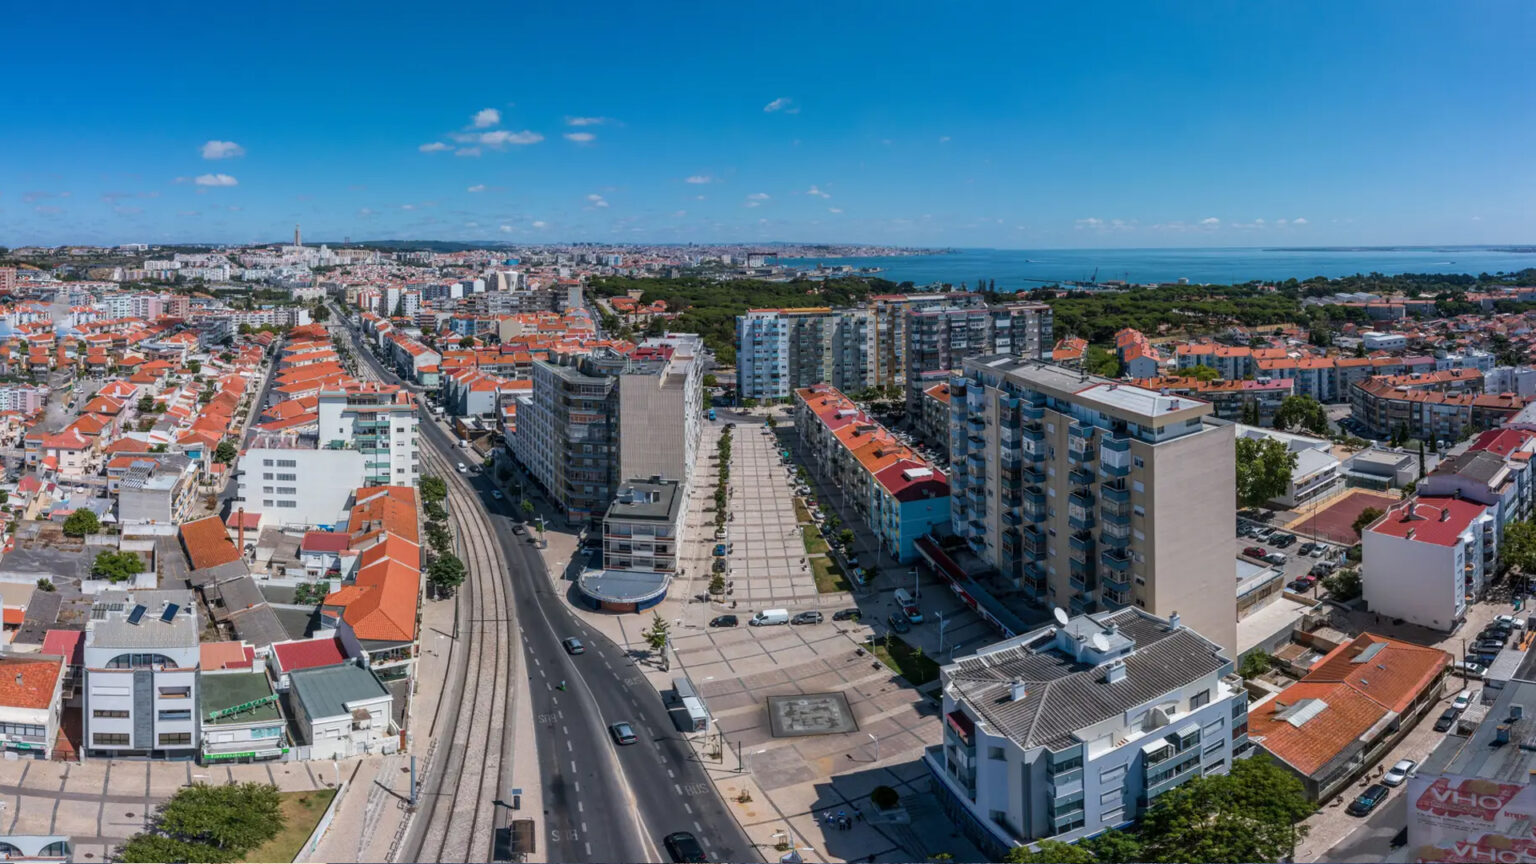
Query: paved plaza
(768, 562)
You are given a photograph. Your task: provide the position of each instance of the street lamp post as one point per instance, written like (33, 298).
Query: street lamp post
(875, 739)
(942, 622)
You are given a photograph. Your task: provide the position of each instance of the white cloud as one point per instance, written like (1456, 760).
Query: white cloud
(758, 196)
(783, 103)
(680, 214)
(699, 197)
(48, 210)
(471, 224)
(364, 211)
(1090, 222)
(407, 206)
(597, 200)
(467, 151)
(434, 147)
(501, 138)
(216, 180)
(222, 150)
(538, 223)
(753, 204)
(505, 229)
(580, 137)
(1299, 220)
(699, 179)
(943, 139)
(486, 117)
(817, 192)
(1210, 220)
(589, 121)
(1279, 221)
(834, 209)
(478, 187)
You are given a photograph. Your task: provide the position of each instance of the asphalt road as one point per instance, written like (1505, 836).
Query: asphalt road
(1373, 840)
(603, 802)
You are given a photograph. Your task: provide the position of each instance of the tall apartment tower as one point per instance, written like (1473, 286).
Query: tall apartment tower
(1092, 495)
(297, 239)
(779, 351)
(939, 338)
(890, 324)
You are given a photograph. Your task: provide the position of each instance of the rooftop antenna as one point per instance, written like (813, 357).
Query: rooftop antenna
(1061, 616)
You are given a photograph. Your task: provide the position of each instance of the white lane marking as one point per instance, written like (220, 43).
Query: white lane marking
(697, 827)
(678, 789)
(573, 766)
(583, 827)
(565, 730)
(580, 808)
(688, 807)
(589, 849)
(670, 774)
(576, 784)
(569, 748)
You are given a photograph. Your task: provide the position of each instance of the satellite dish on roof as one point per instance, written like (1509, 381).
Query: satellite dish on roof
(1061, 616)
(1101, 643)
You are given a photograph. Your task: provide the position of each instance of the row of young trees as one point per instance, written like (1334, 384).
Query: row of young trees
(446, 572)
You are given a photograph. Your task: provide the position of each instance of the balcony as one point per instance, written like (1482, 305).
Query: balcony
(1081, 541)
(1114, 599)
(1118, 583)
(1080, 477)
(1116, 494)
(1117, 536)
(976, 427)
(1118, 560)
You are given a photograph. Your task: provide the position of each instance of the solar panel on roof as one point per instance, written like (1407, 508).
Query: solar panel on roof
(137, 614)
(169, 614)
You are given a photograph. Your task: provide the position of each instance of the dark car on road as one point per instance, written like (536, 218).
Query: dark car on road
(684, 848)
(846, 615)
(623, 733)
(574, 646)
(1368, 800)
(899, 623)
(1280, 541)
(1446, 721)
(806, 618)
(1493, 646)
(723, 621)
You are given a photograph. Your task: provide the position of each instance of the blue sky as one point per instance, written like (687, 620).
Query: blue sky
(1012, 125)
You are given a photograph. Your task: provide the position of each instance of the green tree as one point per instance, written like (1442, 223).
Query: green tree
(1247, 815)
(1114, 847)
(710, 380)
(146, 404)
(1302, 412)
(439, 537)
(433, 488)
(467, 342)
(195, 366)
(1200, 373)
(225, 453)
(155, 848)
(1366, 517)
(1050, 852)
(1344, 585)
(209, 823)
(446, 573)
(321, 313)
(658, 634)
(717, 584)
(1264, 468)
(1256, 664)
(1421, 460)
(1100, 361)
(434, 511)
(116, 566)
(81, 522)
(45, 584)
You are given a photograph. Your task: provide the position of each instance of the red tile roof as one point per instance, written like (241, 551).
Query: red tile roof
(69, 644)
(308, 653)
(29, 682)
(208, 543)
(1436, 519)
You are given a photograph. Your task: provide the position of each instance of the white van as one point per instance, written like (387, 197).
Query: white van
(770, 616)
(903, 599)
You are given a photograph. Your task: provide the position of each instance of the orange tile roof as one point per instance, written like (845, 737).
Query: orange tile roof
(29, 681)
(208, 543)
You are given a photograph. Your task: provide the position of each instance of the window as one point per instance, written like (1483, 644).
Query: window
(287, 478)
(267, 732)
(287, 490)
(996, 753)
(287, 463)
(1138, 462)
(267, 462)
(267, 503)
(175, 692)
(175, 715)
(23, 729)
(1111, 796)
(1065, 765)
(113, 739)
(267, 489)
(170, 739)
(105, 714)
(287, 504)
(1113, 817)
(267, 475)
(141, 661)
(1200, 700)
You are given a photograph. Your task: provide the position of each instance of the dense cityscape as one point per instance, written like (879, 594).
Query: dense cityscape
(1026, 433)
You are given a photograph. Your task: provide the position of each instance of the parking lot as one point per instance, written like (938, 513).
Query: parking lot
(1297, 563)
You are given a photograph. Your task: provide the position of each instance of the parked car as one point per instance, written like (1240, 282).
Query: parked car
(1470, 668)
(1300, 586)
(1255, 551)
(684, 848)
(1280, 541)
(1464, 699)
(463, 469)
(914, 614)
(519, 529)
(846, 615)
(496, 493)
(1321, 569)
(1306, 548)
(1493, 634)
(1399, 772)
(1368, 800)
(1486, 658)
(573, 646)
(1511, 620)
(1276, 558)
(723, 621)
(1264, 532)
(1491, 646)
(899, 623)
(623, 733)
(811, 617)
(1319, 550)
(1446, 721)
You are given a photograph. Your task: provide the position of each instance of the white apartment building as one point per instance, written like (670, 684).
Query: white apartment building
(291, 482)
(1318, 473)
(378, 420)
(781, 350)
(644, 526)
(1425, 557)
(29, 711)
(1377, 341)
(1091, 494)
(342, 711)
(1077, 728)
(141, 661)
